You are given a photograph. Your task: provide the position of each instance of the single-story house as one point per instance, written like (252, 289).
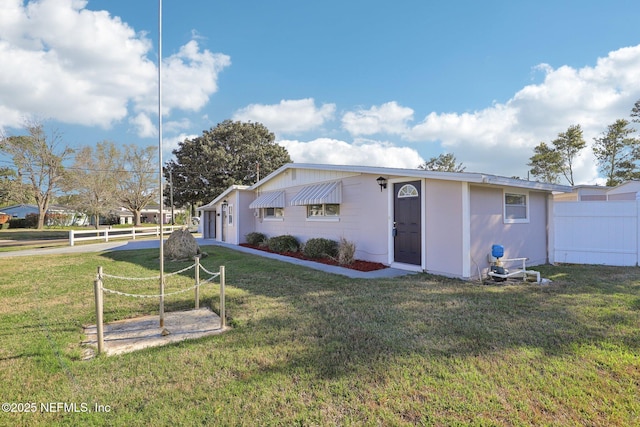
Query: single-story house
(583, 193)
(439, 222)
(62, 214)
(592, 193)
(148, 215)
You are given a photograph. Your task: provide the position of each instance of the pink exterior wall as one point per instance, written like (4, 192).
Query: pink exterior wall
(363, 219)
(244, 223)
(488, 228)
(461, 221)
(444, 231)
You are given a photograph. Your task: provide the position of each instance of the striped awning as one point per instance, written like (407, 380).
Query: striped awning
(318, 194)
(272, 199)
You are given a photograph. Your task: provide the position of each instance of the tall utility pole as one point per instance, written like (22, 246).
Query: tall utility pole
(160, 163)
(171, 196)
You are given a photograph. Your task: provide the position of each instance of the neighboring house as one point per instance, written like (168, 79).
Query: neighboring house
(625, 191)
(593, 193)
(583, 193)
(417, 220)
(69, 216)
(148, 215)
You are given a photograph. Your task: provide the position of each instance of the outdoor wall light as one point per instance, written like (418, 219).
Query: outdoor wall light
(382, 182)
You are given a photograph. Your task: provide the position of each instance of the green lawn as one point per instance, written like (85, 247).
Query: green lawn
(32, 234)
(309, 348)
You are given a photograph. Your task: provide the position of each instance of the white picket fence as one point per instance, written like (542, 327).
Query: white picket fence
(106, 234)
(596, 232)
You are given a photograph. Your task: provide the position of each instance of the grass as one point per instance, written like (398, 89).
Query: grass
(32, 234)
(310, 348)
(23, 239)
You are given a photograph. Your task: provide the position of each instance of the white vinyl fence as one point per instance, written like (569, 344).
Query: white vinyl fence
(106, 234)
(596, 232)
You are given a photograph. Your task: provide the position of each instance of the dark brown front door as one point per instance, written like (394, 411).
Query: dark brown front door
(407, 223)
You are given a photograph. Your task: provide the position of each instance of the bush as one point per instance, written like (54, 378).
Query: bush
(284, 243)
(17, 223)
(31, 220)
(320, 248)
(256, 239)
(346, 252)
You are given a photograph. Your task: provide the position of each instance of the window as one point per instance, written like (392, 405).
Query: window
(516, 208)
(230, 214)
(273, 213)
(407, 190)
(324, 210)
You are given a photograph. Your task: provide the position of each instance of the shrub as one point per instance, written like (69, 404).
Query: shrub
(346, 252)
(286, 243)
(17, 223)
(320, 248)
(31, 220)
(256, 239)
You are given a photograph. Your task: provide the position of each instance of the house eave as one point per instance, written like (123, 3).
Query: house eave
(210, 206)
(471, 177)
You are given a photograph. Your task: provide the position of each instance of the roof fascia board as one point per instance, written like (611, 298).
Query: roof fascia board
(224, 194)
(419, 173)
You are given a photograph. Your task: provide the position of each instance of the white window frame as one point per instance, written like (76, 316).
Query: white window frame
(275, 216)
(323, 216)
(408, 190)
(527, 202)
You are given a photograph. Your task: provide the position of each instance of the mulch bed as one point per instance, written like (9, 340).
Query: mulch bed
(358, 264)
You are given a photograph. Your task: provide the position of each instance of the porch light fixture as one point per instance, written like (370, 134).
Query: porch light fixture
(382, 182)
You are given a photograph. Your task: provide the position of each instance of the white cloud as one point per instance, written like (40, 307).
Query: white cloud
(367, 153)
(289, 116)
(143, 126)
(501, 138)
(190, 77)
(174, 126)
(171, 143)
(86, 67)
(388, 118)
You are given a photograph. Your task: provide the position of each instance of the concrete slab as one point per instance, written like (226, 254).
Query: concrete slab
(125, 336)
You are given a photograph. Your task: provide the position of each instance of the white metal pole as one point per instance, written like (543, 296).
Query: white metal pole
(160, 162)
(197, 285)
(223, 315)
(97, 289)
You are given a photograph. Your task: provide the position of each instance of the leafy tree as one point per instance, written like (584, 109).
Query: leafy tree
(139, 185)
(616, 151)
(94, 179)
(445, 162)
(635, 112)
(12, 189)
(568, 145)
(225, 155)
(546, 163)
(38, 161)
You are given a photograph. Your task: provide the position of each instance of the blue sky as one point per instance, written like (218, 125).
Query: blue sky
(377, 83)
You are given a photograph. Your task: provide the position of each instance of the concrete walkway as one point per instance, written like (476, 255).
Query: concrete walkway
(124, 245)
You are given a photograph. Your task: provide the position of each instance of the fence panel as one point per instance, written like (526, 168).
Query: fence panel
(105, 234)
(596, 232)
